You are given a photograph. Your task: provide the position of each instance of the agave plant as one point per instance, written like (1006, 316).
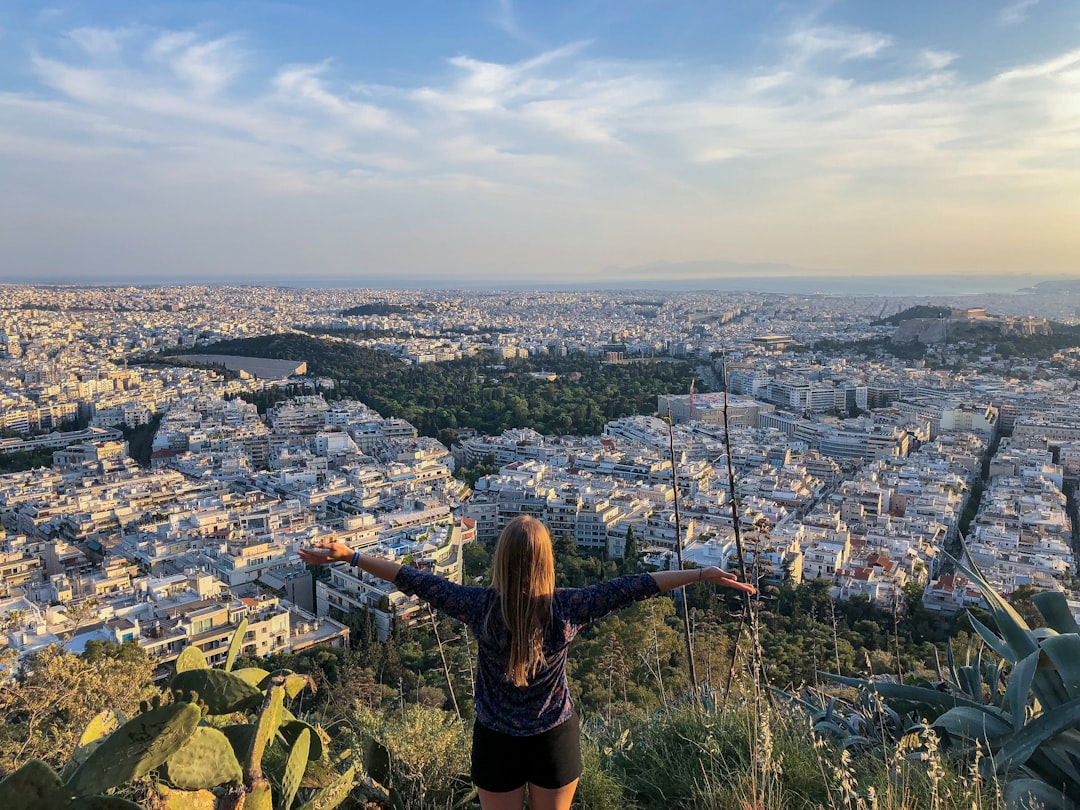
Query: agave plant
(1021, 712)
(226, 741)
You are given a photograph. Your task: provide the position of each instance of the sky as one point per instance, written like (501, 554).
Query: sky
(483, 142)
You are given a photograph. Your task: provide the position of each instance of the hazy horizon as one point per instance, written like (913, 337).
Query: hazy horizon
(540, 144)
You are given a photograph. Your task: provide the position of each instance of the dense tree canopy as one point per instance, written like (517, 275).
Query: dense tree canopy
(480, 392)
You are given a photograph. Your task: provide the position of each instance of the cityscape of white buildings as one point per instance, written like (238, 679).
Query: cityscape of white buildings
(95, 546)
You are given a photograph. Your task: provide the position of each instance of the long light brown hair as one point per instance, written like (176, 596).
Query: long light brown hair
(523, 573)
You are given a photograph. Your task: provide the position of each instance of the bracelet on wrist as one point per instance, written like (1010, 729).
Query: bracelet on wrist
(355, 558)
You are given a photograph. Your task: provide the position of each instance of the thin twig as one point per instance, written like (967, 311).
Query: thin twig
(678, 554)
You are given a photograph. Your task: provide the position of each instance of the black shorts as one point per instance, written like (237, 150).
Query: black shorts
(551, 759)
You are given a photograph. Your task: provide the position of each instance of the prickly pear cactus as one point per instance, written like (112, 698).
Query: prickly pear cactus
(102, 803)
(295, 767)
(34, 786)
(222, 692)
(134, 749)
(253, 675)
(202, 761)
(168, 798)
(100, 725)
(292, 730)
(206, 760)
(191, 658)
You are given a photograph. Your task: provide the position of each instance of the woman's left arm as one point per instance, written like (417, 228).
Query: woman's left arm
(327, 552)
(670, 580)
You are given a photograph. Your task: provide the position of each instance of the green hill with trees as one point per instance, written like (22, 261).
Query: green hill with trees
(485, 393)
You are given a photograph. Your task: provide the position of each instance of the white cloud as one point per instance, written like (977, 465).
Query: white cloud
(208, 67)
(841, 43)
(937, 60)
(1016, 12)
(100, 42)
(505, 19)
(644, 142)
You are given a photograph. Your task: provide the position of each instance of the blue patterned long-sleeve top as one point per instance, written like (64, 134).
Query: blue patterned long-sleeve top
(544, 702)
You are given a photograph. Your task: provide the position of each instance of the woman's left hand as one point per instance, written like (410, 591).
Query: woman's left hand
(326, 552)
(719, 576)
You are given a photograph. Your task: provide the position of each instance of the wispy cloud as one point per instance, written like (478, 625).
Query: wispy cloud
(937, 60)
(807, 130)
(505, 19)
(1016, 12)
(841, 43)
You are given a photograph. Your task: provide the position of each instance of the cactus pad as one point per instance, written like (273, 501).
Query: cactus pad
(292, 730)
(103, 803)
(100, 724)
(191, 657)
(222, 692)
(206, 760)
(330, 797)
(253, 675)
(259, 798)
(240, 736)
(294, 767)
(170, 799)
(141, 744)
(235, 644)
(35, 786)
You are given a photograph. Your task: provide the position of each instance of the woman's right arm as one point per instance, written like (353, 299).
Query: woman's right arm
(462, 602)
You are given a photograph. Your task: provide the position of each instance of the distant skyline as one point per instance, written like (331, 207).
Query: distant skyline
(560, 143)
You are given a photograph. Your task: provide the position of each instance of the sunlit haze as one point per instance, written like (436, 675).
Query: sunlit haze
(483, 143)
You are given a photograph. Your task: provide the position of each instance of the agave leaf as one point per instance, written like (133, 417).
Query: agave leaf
(1011, 624)
(994, 677)
(973, 724)
(810, 707)
(1064, 653)
(828, 727)
(191, 657)
(1027, 740)
(1016, 693)
(912, 694)
(1054, 768)
(992, 639)
(970, 679)
(1064, 750)
(235, 644)
(856, 741)
(1047, 685)
(1030, 794)
(1055, 609)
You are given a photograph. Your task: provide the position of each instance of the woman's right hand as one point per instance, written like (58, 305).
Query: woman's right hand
(326, 552)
